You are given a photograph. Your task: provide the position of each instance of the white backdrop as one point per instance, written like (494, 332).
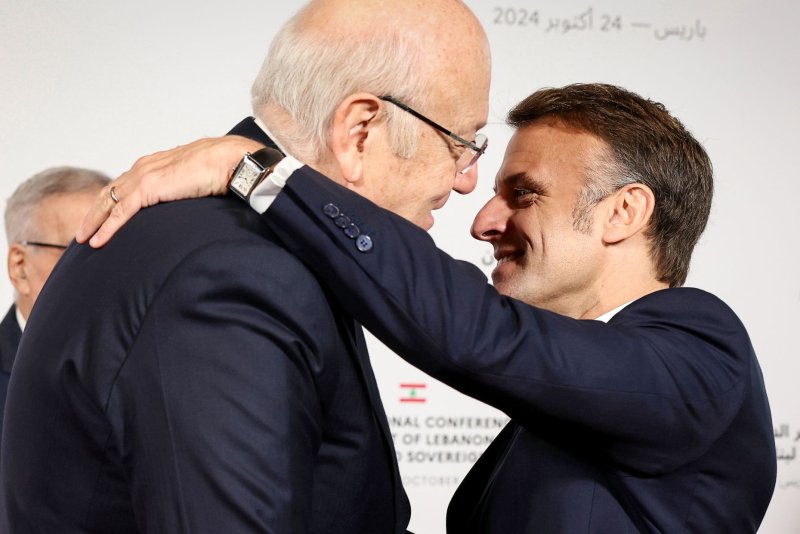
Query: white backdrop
(98, 83)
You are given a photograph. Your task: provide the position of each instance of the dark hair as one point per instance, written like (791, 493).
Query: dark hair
(648, 146)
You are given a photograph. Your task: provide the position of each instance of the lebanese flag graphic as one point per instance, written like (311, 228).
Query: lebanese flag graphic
(412, 392)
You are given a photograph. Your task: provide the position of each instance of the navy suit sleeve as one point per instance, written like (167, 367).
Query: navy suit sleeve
(652, 391)
(215, 410)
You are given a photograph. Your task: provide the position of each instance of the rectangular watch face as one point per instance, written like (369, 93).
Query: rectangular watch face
(245, 176)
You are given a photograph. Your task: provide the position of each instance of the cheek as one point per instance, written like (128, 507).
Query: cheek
(557, 232)
(428, 183)
(36, 283)
(40, 272)
(438, 170)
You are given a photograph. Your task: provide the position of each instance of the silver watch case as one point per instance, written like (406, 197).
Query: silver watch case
(252, 169)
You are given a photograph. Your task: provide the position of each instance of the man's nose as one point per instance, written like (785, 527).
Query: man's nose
(466, 182)
(491, 220)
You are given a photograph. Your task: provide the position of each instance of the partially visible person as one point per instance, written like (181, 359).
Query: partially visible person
(41, 219)
(194, 394)
(637, 405)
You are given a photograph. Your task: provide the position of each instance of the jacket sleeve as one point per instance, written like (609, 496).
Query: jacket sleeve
(652, 390)
(215, 409)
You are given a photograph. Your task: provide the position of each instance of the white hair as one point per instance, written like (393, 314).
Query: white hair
(21, 206)
(308, 75)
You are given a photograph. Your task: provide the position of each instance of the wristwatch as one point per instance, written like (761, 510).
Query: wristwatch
(252, 170)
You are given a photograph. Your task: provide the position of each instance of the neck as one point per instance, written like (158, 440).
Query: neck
(628, 275)
(612, 299)
(284, 132)
(24, 306)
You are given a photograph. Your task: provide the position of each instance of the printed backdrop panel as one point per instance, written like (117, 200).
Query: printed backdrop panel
(98, 83)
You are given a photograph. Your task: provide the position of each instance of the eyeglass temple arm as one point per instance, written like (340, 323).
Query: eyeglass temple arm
(40, 244)
(428, 121)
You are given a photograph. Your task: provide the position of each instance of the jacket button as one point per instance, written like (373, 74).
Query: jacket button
(364, 243)
(331, 210)
(342, 221)
(352, 231)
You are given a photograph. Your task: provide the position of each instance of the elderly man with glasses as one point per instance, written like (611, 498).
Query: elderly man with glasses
(194, 393)
(41, 219)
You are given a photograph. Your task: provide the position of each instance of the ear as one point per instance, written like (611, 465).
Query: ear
(353, 123)
(629, 213)
(17, 258)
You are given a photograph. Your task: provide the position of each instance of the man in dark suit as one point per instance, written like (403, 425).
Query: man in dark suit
(637, 405)
(41, 218)
(192, 393)
(657, 421)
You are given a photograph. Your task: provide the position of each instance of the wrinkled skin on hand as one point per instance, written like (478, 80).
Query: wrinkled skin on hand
(199, 169)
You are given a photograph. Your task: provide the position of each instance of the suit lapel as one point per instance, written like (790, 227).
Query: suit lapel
(402, 506)
(10, 335)
(471, 495)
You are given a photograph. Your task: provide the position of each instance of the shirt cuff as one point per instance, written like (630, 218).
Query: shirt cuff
(262, 196)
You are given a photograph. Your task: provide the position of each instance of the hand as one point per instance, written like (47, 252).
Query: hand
(199, 169)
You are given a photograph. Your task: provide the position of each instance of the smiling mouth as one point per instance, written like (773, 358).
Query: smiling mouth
(507, 257)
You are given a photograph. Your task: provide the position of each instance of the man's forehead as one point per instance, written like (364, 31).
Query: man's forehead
(523, 153)
(540, 151)
(554, 141)
(465, 100)
(54, 209)
(476, 119)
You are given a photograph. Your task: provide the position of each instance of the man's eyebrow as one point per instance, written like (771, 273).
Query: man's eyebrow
(522, 179)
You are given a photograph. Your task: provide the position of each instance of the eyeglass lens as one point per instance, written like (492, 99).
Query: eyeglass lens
(469, 157)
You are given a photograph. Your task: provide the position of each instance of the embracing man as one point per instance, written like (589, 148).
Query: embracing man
(637, 405)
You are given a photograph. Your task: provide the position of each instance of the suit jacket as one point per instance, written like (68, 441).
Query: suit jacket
(655, 422)
(9, 341)
(188, 378)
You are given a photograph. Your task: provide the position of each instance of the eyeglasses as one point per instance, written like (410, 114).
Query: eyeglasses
(472, 151)
(40, 244)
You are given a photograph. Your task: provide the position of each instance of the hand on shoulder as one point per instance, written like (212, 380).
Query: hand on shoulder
(199, 169)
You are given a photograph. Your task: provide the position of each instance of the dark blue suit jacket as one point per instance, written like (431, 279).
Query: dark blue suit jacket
(9, 341)
(655, 422)
(194, 377)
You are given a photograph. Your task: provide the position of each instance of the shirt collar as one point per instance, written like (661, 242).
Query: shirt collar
(20, 319)
(611, 313)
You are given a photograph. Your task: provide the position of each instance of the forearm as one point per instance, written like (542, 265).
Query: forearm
(638, 390)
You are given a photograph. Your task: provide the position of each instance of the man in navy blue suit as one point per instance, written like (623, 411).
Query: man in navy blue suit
(41, 218)
(165, 384)
(637, 405)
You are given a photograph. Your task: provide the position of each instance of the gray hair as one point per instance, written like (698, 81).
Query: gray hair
(309, 74)
(21, 206)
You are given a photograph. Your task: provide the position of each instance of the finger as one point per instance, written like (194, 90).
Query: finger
(121, 213)
(149, 182)
(124, 185)
(100, 210)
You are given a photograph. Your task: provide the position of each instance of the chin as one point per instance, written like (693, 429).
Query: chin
(502, 286)
(425, 222)
(507, 287)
